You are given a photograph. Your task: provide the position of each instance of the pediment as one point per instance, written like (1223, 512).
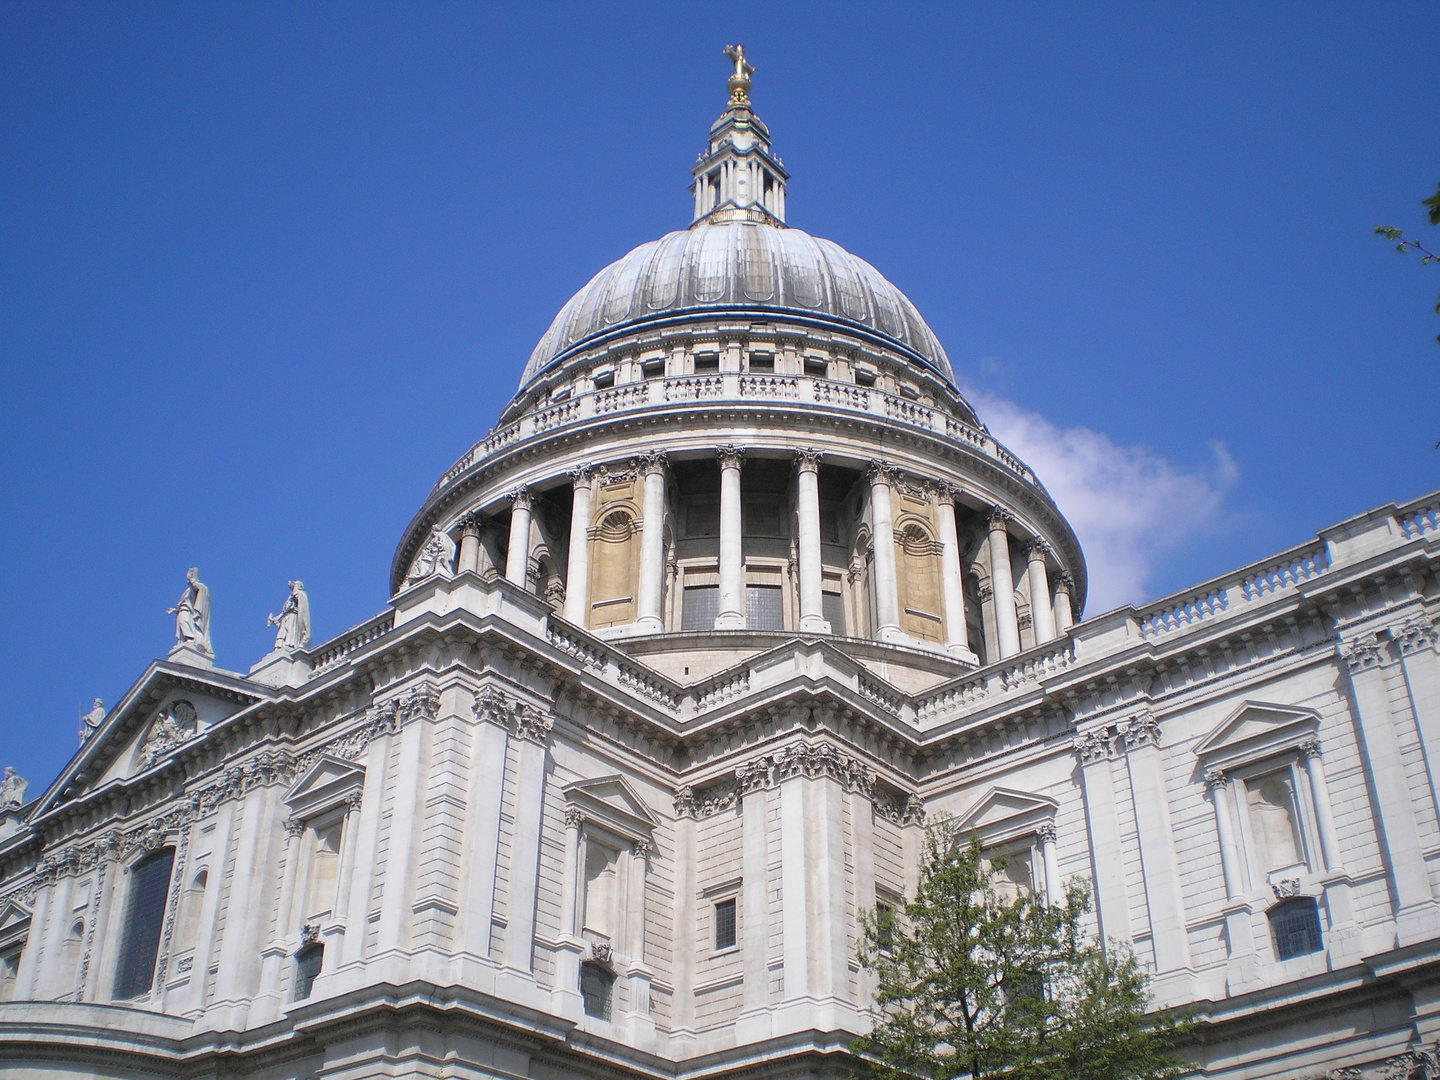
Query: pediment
(612, 802)
(1255, 729)
(328, 781)
(12, 916)
(1003, 811)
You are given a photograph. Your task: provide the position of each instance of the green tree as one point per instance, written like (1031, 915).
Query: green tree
(975, 982)
(1402, 244)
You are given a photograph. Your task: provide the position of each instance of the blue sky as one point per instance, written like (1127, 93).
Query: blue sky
(267, 270)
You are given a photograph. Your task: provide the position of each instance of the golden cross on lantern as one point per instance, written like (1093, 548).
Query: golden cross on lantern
(739, 83)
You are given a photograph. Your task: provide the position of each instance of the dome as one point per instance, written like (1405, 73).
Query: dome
(740, 266)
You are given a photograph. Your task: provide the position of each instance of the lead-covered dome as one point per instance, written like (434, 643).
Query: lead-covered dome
(740, 266)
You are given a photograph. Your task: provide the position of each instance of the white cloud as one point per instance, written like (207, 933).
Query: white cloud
(1129, 506)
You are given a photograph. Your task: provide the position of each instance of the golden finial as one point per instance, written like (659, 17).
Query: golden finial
(739, 83)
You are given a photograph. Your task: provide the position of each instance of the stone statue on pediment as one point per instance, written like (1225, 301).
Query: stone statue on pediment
(293, 622)
(437, 556)
(12, 790)
(91, 720)
(192, 616)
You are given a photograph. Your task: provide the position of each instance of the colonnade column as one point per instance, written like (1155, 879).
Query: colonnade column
(1051, 861)
(950, 576)
(1064, 613)
(1344, 942)
(1042, 614)
(517, 558)
(469, 547)
(652, 544)
(732, 568)
(1243, 968)
(1002, 580)
(577, 573)
(567, 956)
(807, 507)
(887, 595)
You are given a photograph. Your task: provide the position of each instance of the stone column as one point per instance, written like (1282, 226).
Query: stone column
(1418, 639)
(285, 920)
(377, 764)
(683, 959)
(1231, 865)
(638, 1021)
(1163, 895)
(1344, 942)
(398, 890)
(488, 745)
(577, 573)
(517, 558)
(1002, 580)
(469, 547)
(732, 566)
(887, 590)
(1054, 894)
(1064, 615)
(807, 506)
(652, 545)
(1041, 610)
(240, 946)
(1324, 813)
(956, 641)
(1242, 966)
(568, 1001)
(534, 732)
(27, 977)
(1415, 915)
(1112, 901)
(751, 781)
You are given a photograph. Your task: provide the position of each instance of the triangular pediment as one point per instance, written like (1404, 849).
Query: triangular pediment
(326, 782)
(612, 801)
(12, 914)
(1002, 810)
(1257, 728)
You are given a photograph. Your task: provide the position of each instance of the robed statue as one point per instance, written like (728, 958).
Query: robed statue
(293, 622)
(92, 720)
(192, 615)
(12, 790)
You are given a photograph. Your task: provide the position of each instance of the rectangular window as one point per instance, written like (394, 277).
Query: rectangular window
(829, 524)
(308, 962)
(865, 376)
(832, 607)
(653, 369)
(144, 918)
(764, 607)
(725, 925)
(605, 379)
(9, 974)
(707, 363)
(816, 369)
(597, 988)
(700, 607)
(762, 363)
(884, 926)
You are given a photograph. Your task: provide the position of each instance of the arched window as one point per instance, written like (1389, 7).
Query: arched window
(614, 549)
(597, 987)
(144, 919)
(1295, 926)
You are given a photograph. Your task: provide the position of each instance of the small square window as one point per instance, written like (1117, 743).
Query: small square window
(699, 608)
(762, 363)
(308, 962)
(653, 369)
(706, 363)
(605, 379)
(725, 924)
(764, 607)
(816, 369)
(597, 988)
(1295, 925)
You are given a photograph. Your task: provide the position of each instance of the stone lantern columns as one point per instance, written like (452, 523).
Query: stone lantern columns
(1002, 580)
(1064, 613)
(1041, 613)
(887, 591)
(517, 558)
(732, 567)
(951, 579)
(577, 572)
(807, 507)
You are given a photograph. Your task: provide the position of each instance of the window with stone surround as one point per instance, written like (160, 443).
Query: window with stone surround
(725, 924)
(1295, 927)
(597, 988)
(146, 896)
(9, 973)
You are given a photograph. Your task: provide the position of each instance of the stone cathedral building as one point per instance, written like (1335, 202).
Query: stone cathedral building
(680, 657)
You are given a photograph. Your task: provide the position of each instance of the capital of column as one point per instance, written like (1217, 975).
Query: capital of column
(999, 518)
(1310, 748)
(1141, 730)
(644, 848)
(353, 801)
(1215, 778)
(807, 459)
(574, 817)
(295, 826)
(520, 498)
(1065, 582)
(651, 462)
(1046, 833)
(1362, 653)
(1416, 634)
(582, 474)
(882, 472)
(470, 525)
(730, 456)
(1037, 550)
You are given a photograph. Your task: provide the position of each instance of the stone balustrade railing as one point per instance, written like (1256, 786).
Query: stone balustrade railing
(658, 393)
(336, 649)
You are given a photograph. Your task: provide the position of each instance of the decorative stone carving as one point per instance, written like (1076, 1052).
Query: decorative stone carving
(807, 459)
(882, 472)
(914, 813)
(574, 817)
(753, 775)
(730, 456)
(1046, 832)
(176, 725)
(309, 934)
(293, 622)
(999, 518)
(644, 848)
(1362, 653)
(1309, 748)
(532, 724)
(192, 617)
(1141, 730)
(685, 801)
(1215, 778)
(1285, 889)
(601, 952)
(436, 556)
(1037, 549)
(1417, 1064)
(91, 721)
(295, 826)
(654, 461)
(521, 499)
(1093, 745)
(12, 790)
(1415, 635)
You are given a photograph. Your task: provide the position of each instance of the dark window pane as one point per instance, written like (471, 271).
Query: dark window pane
(597, 987)
(764, 609)
(701, 605)
(307, 966)
(1296, 926)
(725, 924)
(702, 517)
(144, 919)
(830, 524)
(762, 517)
(832, 606)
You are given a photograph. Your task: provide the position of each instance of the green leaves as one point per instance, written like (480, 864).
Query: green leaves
(1434, 205)
(974, 981)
